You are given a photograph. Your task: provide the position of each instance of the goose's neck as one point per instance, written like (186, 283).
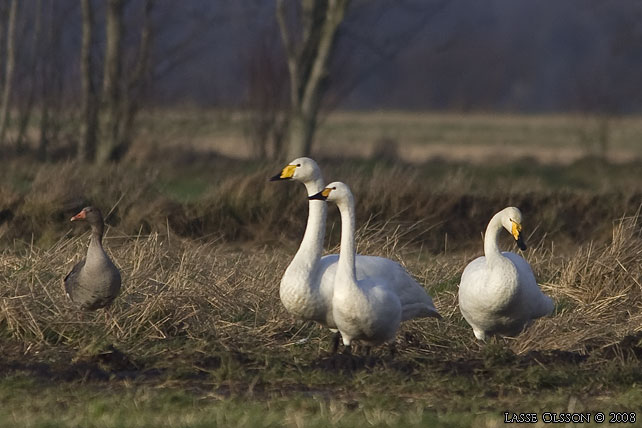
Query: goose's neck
(491, 239)
(312, 243)
(97, 231)
(346, 266)
(96, 253)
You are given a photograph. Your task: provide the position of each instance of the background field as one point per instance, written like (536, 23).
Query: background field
(198, 336)
(418, 136)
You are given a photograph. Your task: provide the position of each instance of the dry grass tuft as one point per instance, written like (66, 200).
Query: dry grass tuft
(207, 270)
(194, 292)
(172, 289)
(598, 293)
(233, 200)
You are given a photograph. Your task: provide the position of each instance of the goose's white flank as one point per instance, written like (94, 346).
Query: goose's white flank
(307, 286)
(498, 294)
(366, 309)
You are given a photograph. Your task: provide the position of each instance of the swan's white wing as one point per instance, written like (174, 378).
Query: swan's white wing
(415, 301)
(535, 304)
(373, 314)
(316, 303)
(470, 299)
(472, 279)
(386, 308)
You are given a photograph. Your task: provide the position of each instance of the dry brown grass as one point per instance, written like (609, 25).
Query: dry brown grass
(172, 288)
(205, 270)
(598, 290)
(234, 201)
(227, 297)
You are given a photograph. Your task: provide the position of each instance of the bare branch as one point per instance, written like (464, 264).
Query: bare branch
(87, 145)
(335, 13)
(9, 69)
(390, 48)
(286, 37)
(291, 52)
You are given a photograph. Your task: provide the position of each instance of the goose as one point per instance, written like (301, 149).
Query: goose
(94, 282)
(307, 286)
(498, 294)
(364, 309)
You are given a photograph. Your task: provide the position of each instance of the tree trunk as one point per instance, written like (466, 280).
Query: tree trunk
(299, 137)
(46, 83)
(136, 84)
(32, 69)
(308, 61)
(111, 81)
(87, 144)
(9, 69)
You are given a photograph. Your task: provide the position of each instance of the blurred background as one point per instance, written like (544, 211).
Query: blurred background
(93, 79)
(183, 101)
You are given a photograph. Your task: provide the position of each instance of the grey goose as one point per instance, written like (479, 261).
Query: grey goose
(94, 282)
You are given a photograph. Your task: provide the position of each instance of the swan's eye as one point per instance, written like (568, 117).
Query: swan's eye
(334, 188)
(298, 165)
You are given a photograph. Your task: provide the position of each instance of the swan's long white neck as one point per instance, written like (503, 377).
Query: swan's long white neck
(346, 266)
(491, 238)
(312, 243)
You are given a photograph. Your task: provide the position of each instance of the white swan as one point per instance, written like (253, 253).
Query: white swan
(498, 293)
(307, 286)
(366, 309)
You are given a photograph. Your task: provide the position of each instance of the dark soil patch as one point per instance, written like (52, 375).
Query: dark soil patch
(481, 364)
(63, 365)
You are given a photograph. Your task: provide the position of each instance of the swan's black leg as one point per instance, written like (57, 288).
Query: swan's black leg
(335, 342)
(347, 350)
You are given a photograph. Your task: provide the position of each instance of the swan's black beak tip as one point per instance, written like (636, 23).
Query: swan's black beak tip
(317, 197)
(278, 177)
(521, 244)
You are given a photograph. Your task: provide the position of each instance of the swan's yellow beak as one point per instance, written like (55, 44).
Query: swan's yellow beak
(286, 174)
(517, 234)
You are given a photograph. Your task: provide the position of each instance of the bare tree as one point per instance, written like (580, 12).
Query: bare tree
(9, 69)
(87, 145)
(122, 90)
(30, 72)
(136, 83)
(266, 97)
(308, 49)
(51, 75)
(111, 80)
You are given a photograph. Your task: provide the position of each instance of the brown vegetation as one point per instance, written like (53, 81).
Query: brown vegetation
(211, 265)
(447, 205)
(202, 249)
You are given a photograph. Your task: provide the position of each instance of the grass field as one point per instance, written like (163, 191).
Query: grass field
(199, 338)
(417, 137)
